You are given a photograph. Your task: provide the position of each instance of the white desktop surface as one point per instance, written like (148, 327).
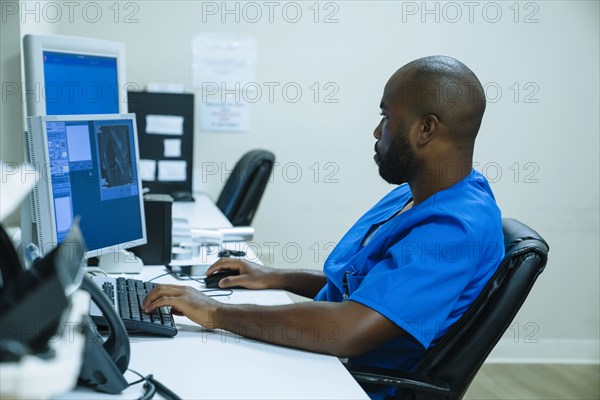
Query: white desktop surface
(203, 364)
(201, 213)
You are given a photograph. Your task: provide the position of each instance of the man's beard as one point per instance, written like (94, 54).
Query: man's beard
(398, 165)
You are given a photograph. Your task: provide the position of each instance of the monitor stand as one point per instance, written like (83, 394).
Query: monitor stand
(120, 262)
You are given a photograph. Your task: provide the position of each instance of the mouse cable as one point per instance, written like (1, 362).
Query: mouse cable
(158, 276)
(228, 292)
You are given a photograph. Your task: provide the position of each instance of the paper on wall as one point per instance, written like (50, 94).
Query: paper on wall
(165, 87)
(172, 171)
(148, 170)
(223, 60)
(164, 124)
(172, 147)
(224, 117)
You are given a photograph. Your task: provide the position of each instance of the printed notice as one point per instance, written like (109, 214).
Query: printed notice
(148, 170)
(164, 124)
(223, 60)
(224, 117)
(172, 171)
(172, 147)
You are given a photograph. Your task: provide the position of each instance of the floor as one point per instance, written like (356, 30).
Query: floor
(536, 382)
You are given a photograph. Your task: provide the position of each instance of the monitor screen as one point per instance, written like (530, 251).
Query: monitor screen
(80, 84)
(68, 75)
(91, 164)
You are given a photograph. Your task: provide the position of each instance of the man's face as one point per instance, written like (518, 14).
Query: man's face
(393, 152)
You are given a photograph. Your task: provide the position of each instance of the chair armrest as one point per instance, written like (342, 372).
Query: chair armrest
(407, 380)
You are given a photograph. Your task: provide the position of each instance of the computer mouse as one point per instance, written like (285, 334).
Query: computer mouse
(212, 281)
(182, 195)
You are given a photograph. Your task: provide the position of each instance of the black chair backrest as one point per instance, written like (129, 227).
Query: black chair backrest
(458, 355)
(243, 190)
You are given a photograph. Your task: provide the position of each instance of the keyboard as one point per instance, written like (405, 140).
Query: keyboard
(127, 296)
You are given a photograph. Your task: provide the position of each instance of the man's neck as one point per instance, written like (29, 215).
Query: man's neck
(435, 178)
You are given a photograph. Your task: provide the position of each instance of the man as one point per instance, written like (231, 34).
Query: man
(412, 265)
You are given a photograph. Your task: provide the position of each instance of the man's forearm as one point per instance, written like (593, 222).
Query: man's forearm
(305, 283)
(342, 329)
(317, 326)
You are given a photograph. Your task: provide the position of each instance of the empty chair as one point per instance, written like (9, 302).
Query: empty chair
(243, 190)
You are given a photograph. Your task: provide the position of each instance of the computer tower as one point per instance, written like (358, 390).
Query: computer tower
(157, 251)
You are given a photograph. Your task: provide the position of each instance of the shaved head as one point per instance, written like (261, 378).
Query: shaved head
(445, 87)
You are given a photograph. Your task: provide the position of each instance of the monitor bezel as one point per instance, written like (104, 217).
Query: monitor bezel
(34, 47)
(43, 205)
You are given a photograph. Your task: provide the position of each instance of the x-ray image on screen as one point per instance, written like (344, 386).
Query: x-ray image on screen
(116, 166)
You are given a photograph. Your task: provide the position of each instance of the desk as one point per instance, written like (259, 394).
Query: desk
(202, 364)
(202, 213)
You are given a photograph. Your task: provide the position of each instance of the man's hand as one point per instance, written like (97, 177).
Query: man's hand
(183, 300)
(305, 283)
(251, 275)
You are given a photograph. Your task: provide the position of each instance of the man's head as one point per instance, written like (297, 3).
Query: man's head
(432, 110)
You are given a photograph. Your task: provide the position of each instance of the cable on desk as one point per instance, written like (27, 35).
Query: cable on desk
(159, 276)
(94, 270)
(163, 390)
(149, 389)
(151, 386)
(228, 292)
(142, 378)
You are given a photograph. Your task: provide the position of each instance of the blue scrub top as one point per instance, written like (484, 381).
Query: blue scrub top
(420, 269)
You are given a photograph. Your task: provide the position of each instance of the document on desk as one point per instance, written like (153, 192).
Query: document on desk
(180, 230)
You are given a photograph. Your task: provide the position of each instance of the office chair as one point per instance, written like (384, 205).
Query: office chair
(243, 190)
(448, 367)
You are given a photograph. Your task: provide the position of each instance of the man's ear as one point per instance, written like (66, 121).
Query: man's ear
(429, 128)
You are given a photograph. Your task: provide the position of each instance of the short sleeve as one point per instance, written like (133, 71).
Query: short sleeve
(421, 278)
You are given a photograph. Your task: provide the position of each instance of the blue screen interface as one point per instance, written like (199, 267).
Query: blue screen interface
(94, 176)
(80, 84)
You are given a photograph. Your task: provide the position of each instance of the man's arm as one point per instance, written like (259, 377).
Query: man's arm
(305, 283)
(342, 329)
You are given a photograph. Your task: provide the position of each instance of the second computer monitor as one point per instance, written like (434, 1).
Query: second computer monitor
(89, 165)
(67, 75)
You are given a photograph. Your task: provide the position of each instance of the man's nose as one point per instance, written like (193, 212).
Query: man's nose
(377, 131)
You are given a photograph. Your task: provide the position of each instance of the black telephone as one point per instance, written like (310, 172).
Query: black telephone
(26, 294)
(104, 362)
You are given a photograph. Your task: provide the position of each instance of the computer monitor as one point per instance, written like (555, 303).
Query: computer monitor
(89, 169)
(66, 75)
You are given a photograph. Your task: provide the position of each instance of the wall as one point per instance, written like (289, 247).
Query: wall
(15, 24)
(538, 143)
